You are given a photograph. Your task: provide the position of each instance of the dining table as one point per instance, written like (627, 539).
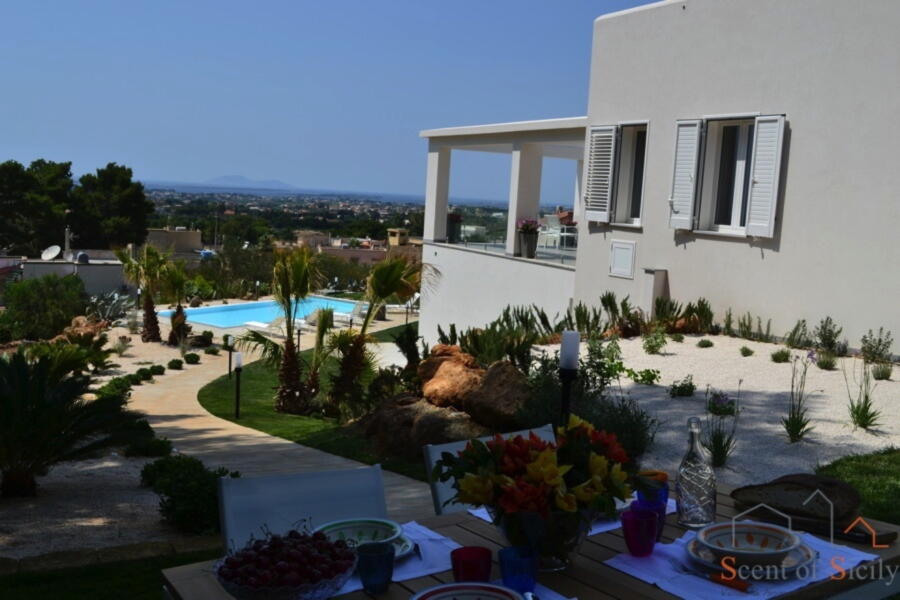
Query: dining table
(586, 578)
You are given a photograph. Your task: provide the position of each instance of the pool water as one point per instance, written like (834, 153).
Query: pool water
(235, 315)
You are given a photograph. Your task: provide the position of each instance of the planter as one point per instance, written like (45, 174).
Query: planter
(528, 243)
(554, 538)
(454, 228)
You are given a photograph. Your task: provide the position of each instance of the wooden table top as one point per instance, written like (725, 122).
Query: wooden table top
(586, 578)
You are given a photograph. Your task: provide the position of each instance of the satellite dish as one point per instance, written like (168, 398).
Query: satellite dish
(51, 252)
(82, 258)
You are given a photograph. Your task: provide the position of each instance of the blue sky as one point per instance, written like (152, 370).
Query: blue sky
(318, 94)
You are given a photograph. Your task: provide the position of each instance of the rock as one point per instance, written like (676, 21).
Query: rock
(83, 325)
(453, 381)
(440, 354)
(196, 301)
(400, 427)
(497, 402)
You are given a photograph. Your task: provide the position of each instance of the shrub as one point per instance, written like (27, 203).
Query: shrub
(144, 373)
(842, 348)
(192, 358)
(667, 311)
(116, 386)
(862, 409)
(704, 314)
(781, 356)
(876, 348)
(719, 438)
(132, 322)
(175, 364)
(728, 325)
(634, 427)
(798, 337)
(882, 371)
(683, 387)
(151, 447)
(645, 376)
(826, 335)
(763, 336)
(157, 370)
(134, 379)
(212, 351)
(826, 361)
(721, 404)
(122, 344)
(745, 326)
(40, 308)
(705, 343)
(677, 337)
(796, 423)
(654, 341)
(207, 335)
(745, 351)
(188, 492)
(111, 307)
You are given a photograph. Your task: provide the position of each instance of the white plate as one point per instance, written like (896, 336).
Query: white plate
(799, 557)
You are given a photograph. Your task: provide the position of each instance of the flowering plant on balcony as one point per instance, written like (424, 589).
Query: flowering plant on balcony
(527, 226)
(454, 217)
(540, 493)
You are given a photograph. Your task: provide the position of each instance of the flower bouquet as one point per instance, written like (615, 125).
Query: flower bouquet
(541, 494)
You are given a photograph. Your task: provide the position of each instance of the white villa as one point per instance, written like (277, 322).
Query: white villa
(744, 151)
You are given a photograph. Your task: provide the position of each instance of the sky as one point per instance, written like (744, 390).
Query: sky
(319, 94)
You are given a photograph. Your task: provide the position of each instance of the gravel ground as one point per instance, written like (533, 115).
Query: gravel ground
(763, 451)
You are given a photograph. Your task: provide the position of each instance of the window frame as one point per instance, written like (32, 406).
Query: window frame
(617, 218)
(711, 173)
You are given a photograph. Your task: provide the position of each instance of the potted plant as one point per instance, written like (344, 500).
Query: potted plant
(541, 494)
(454, 227)
(527, 230)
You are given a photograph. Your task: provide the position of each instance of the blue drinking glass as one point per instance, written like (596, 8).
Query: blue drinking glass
(375, 566)
(518, 566)
(660, 494)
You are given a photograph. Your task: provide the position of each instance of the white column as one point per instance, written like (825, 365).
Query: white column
(576, 202)
(437, 189)
(524, 190)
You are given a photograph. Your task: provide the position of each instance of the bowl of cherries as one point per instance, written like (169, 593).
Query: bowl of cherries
(293, 566)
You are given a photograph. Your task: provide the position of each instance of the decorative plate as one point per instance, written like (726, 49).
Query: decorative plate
(360, 531)
(751, 543)
(468, 591)
(801, 556)
(403, 547)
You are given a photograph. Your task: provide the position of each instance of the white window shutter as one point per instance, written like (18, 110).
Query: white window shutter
(765, 175)
(601, 163)
(684, 177)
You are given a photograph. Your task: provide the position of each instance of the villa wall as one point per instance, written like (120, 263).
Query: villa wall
(474, 286)
(831, 67)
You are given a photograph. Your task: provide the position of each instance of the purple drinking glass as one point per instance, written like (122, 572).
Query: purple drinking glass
(657, 508)
(639, 527)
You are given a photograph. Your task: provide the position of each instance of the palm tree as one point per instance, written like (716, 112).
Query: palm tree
(145, 271)
(394, 277)
(45, 419)
(174, 282)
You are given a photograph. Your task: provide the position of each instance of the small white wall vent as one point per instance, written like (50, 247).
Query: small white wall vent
(621, 259)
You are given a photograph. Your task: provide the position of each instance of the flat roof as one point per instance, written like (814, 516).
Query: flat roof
(511, 127)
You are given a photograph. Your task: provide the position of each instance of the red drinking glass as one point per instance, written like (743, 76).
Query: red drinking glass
(639, 528)
(471, 563)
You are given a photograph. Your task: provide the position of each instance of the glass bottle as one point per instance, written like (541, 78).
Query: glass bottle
(696, 483)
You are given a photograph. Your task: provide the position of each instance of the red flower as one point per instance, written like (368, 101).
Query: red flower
(525, 497)
(606, 444)
(517, 453)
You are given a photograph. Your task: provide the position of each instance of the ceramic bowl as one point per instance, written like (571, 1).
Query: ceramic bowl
(468, 591)
(802, 557)
(360, 531)
(751, 544)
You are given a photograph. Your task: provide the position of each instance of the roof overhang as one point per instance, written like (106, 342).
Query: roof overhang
(558, 138)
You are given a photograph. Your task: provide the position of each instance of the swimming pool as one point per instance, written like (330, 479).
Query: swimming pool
(235, 315)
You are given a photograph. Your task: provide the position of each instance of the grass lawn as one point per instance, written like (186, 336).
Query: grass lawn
(877, 478)
(258, 383)
(135, 579)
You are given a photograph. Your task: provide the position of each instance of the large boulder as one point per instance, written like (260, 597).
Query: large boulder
(448, 376)
(400, 427)
(497, 402)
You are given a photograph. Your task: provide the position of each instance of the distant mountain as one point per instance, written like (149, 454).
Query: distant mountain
(239, 181)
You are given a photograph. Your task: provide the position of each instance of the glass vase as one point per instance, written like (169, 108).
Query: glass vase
(553, 537)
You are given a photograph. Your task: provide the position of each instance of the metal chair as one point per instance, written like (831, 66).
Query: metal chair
(281, 502)
(441, 491)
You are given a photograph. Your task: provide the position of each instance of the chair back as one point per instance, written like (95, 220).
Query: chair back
(413, 300)
(551, 222)
(441, 491)
(281, 502)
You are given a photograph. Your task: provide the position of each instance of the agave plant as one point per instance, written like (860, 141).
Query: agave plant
(45, 418)
(110, 307)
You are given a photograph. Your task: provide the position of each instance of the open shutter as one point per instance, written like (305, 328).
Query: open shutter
(598, 192)
(684, 178)
(765, 175)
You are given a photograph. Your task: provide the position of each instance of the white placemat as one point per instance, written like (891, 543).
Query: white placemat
(658, 570)
(601, 526)
(435, 557)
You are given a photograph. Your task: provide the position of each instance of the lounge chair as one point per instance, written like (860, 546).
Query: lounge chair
(409, 305)
(276, 327)
(441, 491)
(355, 316)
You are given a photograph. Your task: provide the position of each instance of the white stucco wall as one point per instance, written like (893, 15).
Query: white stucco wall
(98, 278)
(833, 68)
(474, 286)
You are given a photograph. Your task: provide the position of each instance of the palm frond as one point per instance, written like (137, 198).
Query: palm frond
(270, 351)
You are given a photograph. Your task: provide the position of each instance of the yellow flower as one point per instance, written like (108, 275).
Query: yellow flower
(618, 475)
(503, 480)
(599, 466)
(545, 470)
(475, 489)
(587, 491)
(566, 502)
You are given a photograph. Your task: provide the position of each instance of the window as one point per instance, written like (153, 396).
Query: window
(615, 174)
(727, 174)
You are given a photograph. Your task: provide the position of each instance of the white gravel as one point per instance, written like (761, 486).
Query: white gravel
(763, 451)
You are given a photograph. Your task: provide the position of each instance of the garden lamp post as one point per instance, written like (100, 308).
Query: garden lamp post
(568, 371)
(257, 289)
(227, 339)
(238, 367)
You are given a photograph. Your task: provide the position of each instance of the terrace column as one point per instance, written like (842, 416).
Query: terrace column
(524, 190)
(576, 202)
(437, 188)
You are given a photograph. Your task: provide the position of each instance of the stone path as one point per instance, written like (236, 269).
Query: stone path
(174, 412)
